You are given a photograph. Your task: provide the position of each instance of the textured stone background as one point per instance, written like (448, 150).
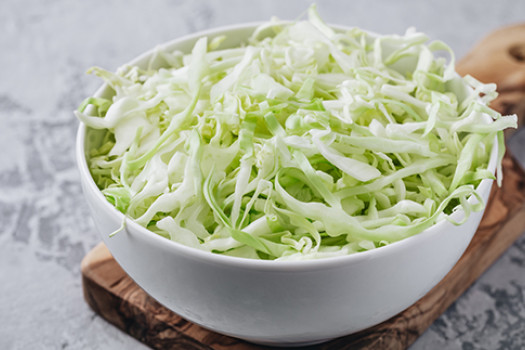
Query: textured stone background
(45, 228)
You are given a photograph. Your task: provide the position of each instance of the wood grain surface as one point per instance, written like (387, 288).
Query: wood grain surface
(114, 296)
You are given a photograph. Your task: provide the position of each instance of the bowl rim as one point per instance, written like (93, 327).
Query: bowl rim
(215, 258)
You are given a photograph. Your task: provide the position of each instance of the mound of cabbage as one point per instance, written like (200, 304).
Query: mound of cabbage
(307, 143)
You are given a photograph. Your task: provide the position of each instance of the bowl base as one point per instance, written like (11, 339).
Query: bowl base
(288, 344)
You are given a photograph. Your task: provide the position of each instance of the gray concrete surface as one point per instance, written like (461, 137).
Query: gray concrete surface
(45, 228)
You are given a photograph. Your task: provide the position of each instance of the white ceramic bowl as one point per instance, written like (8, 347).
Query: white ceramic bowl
(272, 302)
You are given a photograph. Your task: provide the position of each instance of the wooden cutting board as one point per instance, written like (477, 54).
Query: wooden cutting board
(114, 296)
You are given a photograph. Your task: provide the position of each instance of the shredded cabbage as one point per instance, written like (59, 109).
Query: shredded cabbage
(307, 143)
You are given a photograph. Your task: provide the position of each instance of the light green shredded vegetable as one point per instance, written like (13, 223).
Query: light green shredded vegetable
(307, 143)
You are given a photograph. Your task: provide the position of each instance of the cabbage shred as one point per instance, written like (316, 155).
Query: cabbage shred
(306, 143)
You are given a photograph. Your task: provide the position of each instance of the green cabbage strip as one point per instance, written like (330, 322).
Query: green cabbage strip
(306, 144)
